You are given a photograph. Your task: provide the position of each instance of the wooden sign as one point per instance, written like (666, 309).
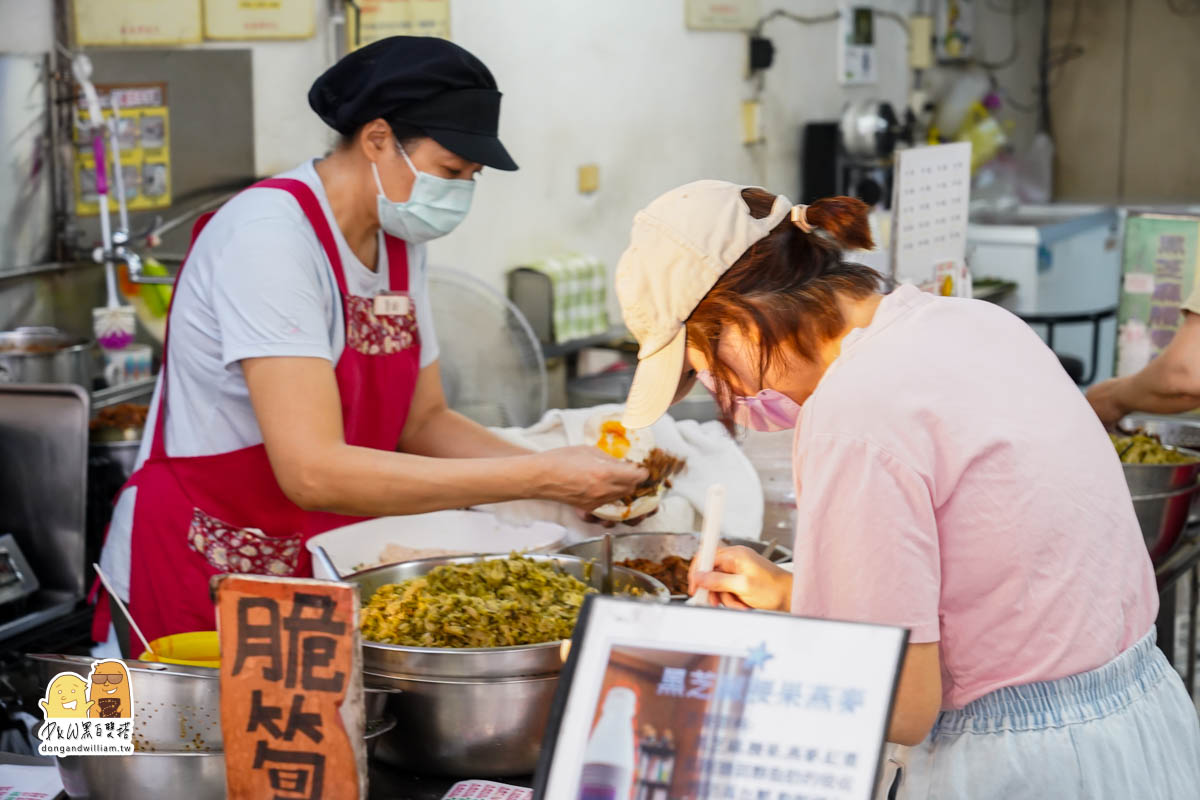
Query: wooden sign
(259, 19)
(291, 689)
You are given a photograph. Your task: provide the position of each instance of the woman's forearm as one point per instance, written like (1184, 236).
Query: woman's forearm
(366, 482)
(448, 434)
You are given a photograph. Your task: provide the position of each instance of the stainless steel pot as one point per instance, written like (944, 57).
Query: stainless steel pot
(1162, 518)
(481, 662)
(462, 727)
(45, 355)
(177, 708)
(122, 454)
(1177, 434)
(657, 546)
(197, 776)
(471, 711)
(152, 775)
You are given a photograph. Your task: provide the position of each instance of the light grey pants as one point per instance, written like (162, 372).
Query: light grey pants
(1125, 731)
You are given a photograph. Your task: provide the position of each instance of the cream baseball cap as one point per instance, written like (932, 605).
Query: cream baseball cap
(680, 246)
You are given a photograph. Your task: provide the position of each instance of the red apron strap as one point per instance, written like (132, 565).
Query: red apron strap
(311, 207)
(158, 445)
(397, 253)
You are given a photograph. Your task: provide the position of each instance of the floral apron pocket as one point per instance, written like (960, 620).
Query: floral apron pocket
(374, 335)
(242, 550)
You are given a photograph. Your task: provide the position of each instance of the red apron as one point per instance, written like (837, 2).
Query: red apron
(201, 516)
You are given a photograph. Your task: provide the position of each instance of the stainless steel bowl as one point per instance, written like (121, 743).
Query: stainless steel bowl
(45, 355)
(177, 708)
(197, 776)
(1180, 435)
(463, 727)
(151, 775)
(657, 546)
(481, 662)
(1162, 518)
(471, 711)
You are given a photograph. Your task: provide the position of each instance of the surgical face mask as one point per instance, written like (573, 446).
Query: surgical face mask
(766, 411)
(435, 207)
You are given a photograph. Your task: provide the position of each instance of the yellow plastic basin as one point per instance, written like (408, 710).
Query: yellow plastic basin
(198, 649)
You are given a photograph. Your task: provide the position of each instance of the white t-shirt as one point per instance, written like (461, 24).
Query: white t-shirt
(257, 283)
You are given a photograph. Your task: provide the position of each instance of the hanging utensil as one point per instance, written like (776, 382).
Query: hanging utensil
(606, 580)
(115, 598)
(710, 537)
(320, 555)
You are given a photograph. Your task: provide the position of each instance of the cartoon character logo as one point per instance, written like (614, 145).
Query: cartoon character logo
(66, 698)
(110, 691)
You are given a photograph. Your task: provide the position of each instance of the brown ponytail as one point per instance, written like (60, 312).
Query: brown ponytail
(845, 219)
(784, 290)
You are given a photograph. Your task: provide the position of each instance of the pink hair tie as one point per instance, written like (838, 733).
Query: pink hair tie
(800, 218)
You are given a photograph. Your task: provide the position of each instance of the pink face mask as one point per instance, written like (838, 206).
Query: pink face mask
(766, 411)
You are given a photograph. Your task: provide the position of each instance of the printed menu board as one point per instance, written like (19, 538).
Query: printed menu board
(379, 19)
(687, 703)
(144, 137)
(259, 19)
(1159, 268)
(136, 22)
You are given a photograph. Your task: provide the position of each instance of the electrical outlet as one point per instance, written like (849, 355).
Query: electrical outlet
(589, 178)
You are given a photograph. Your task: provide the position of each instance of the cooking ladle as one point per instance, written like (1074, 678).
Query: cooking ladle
(710, 537)
(113, 597)
(320, 555)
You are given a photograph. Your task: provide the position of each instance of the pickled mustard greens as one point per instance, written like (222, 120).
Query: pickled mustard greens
(498, 603)
(1143, 449)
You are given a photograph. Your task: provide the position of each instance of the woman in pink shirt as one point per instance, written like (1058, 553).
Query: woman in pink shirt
(950, 480)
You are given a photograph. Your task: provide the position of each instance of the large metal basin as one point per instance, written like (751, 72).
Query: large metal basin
(471, 711)
(1162, 518)
(142, 776)
(197, 776)
(657, 546)
(45, 355)
(481, 662)
(177, 708)
(1177, 434)
(463, 727)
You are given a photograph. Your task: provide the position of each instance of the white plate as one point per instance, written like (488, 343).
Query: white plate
(353, 546)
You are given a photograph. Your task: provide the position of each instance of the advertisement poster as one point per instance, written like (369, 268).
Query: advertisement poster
(682, 703)
(144, 138)
(1159, 269)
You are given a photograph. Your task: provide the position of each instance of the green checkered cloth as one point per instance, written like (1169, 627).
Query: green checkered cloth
(580, 295)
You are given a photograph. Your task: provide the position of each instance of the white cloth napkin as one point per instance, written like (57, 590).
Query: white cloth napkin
(712, 457)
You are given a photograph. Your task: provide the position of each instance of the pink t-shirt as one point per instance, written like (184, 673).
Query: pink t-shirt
(951, 479)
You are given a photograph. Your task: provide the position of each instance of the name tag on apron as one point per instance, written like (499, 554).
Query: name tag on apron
(392, 304)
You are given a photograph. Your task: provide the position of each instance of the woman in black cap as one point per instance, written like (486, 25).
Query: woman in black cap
(301, 370)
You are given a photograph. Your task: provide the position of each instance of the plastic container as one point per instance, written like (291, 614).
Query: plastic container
(197, 649)
(609, 758)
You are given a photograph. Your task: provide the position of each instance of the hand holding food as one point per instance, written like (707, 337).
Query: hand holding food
(636, 446)
(584, 477)
(741, 578)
